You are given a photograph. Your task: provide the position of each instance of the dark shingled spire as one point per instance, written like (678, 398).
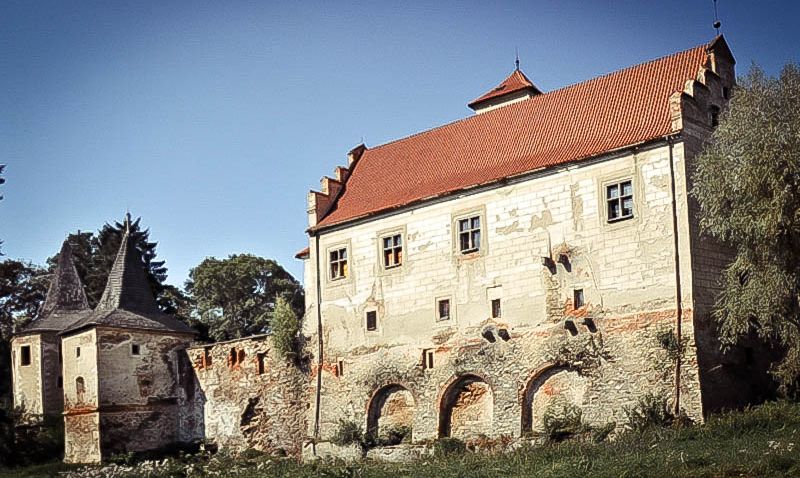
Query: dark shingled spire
(66, 301)
(66, 290)
(127, 287)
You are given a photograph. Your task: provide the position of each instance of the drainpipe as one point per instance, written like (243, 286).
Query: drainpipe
(678, 294)
(319, 344)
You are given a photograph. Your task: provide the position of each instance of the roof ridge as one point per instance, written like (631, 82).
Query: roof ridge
(543, 95)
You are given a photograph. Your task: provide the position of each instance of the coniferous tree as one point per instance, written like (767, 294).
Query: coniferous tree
(747, 184)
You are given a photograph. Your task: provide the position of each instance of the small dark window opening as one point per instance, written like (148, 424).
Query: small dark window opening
(469, 234)
(578, 300)
(135, 349)
(207, 356)
(714, 112)
(77, 351)
(60, 382)
(80, 388)
(372, 320)
(496, 308)
(340, 368)
(427, 359)
(392, 251)
(444, 309)
(240, 357)
(232, 357)
(25, 355)
(619, 199)
(262, 359)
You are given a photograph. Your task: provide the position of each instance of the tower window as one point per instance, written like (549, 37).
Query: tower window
(577, 298)
(77, 351)
(135, 349)
(372, 320)
(25, 355)
(496, 308)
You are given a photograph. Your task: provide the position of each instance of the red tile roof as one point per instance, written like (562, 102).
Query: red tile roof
(517, 81)
(303, 253)
(623, 108)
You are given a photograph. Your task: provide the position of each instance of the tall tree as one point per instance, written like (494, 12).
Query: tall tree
(747, 184)
(236, 296)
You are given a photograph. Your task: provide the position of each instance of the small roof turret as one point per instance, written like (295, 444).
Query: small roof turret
(516, 87)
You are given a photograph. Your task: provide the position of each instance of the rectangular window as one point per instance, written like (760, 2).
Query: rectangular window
(496, 308)
(427, 359)
(262, 362)
(469, 234)
(619, 198)
(25, 355)
(135, 349)
(372, 320)
(392, 251)
(340, 368)
(578, 301)
(338, 263)
(77, 351)
(444, 309)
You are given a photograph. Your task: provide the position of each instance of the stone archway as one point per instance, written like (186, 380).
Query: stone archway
(467, 408)
(551, 386)
(390, 416)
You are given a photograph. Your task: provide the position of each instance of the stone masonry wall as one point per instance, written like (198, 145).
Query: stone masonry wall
(27, 378)
(252, 397)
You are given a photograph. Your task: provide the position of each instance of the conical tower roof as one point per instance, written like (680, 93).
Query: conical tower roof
(127, 301)
(66, 300)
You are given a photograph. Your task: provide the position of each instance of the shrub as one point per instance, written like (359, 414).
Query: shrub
(650, 411)
(285, 327)
(394, 436)
(349, 432)
(448, 447)
(563, 420)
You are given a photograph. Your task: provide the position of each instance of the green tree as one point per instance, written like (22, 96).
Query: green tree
(236, 297)
(747, 184)
(285, 327)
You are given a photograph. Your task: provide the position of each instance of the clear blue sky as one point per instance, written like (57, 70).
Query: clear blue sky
(212, 120)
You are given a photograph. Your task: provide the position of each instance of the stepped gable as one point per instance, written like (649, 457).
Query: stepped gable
(604, 114)
(66, 301)
(127, 301)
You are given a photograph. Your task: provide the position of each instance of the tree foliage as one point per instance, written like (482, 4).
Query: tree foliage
(23, 287)
(237, 296)
(285, 327)
(747, 184)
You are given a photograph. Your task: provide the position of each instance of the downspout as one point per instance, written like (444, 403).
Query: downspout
(678, 294)
(319, 344)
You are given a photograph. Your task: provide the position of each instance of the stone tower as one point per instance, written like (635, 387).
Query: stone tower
(124, 370)
(35, 350)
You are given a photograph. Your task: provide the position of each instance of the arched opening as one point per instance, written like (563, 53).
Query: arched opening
(390, 417)
(467, 408)
(550, 387)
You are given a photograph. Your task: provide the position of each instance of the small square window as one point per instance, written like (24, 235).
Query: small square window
(25, 355)
(427, 359)
(338, 264)
(392, 247)
(372, 320)
(619, 198)
(469, 234)
(444, 309)
(496, 308)
(135, 349)
(77, 351)
(577, 297)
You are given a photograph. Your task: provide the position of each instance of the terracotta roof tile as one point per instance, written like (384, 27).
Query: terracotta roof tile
(577, 122)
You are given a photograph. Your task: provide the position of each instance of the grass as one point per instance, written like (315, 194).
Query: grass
(760, 442)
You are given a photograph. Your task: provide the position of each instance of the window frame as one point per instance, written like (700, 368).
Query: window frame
(393, 250)
(578, 293)
(619, 199)
(438, 310)
(25, 350)
(343, 272)
(374, 327)
(498, 313)
(470, 214)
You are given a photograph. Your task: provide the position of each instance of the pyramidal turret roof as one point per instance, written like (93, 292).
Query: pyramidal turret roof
(127, 301)
(516, 82)
(66, 300)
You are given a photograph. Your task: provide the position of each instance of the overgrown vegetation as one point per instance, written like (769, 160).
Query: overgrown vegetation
(760, 442)
(747, 184)
(348, 433)
(583, 353)
(285, 328)
(562, 420)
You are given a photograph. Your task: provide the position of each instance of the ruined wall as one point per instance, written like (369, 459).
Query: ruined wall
(27, 378)
(253, 397)
(625, 269)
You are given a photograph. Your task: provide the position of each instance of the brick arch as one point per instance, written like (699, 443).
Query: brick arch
(545, 384)
(391, 406)
(466, 407)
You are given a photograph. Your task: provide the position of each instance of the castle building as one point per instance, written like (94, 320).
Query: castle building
(118, 373)
(542, 252)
